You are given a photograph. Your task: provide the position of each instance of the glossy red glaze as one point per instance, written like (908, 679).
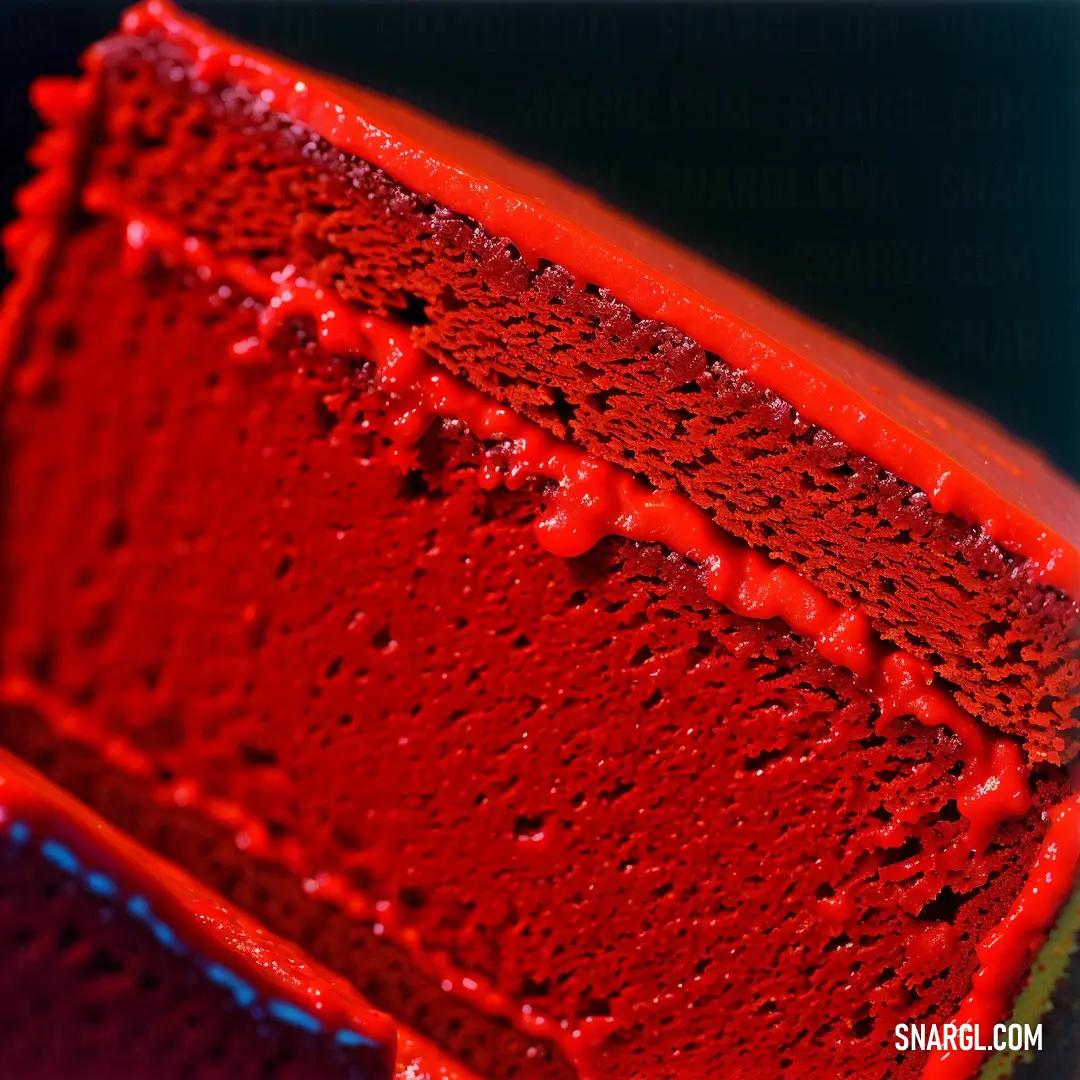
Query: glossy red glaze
(593, 499)
(964, 462)
(210, 926)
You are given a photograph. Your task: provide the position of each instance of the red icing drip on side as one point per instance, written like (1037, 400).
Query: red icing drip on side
(1012, 944)
(592, 499)
(964, 463)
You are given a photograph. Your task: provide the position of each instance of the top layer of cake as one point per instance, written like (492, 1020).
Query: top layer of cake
(183, 115)
(962, 461)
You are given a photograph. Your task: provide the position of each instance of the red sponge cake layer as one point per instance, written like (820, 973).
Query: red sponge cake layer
(644, 394)
(663, 732)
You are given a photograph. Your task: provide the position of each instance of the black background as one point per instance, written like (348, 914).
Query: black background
(905, 173)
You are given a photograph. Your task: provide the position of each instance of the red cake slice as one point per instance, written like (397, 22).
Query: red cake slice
(607, 671)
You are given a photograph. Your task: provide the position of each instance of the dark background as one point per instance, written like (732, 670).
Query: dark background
(905, 173)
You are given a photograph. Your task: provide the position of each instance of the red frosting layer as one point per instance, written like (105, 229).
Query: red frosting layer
(965, 464)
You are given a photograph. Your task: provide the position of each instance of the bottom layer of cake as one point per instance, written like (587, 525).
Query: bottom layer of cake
(576, 794)
(89, 992)
(114, 962)
(380, 970)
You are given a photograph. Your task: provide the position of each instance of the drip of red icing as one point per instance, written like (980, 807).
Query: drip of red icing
(210, 926)
(592, 499)
(965, 464)
(1013, 943)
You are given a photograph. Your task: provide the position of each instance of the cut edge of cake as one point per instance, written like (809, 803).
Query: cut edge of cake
(965, 463)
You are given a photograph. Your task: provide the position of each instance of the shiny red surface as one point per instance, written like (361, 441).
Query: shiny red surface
(964, 463)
